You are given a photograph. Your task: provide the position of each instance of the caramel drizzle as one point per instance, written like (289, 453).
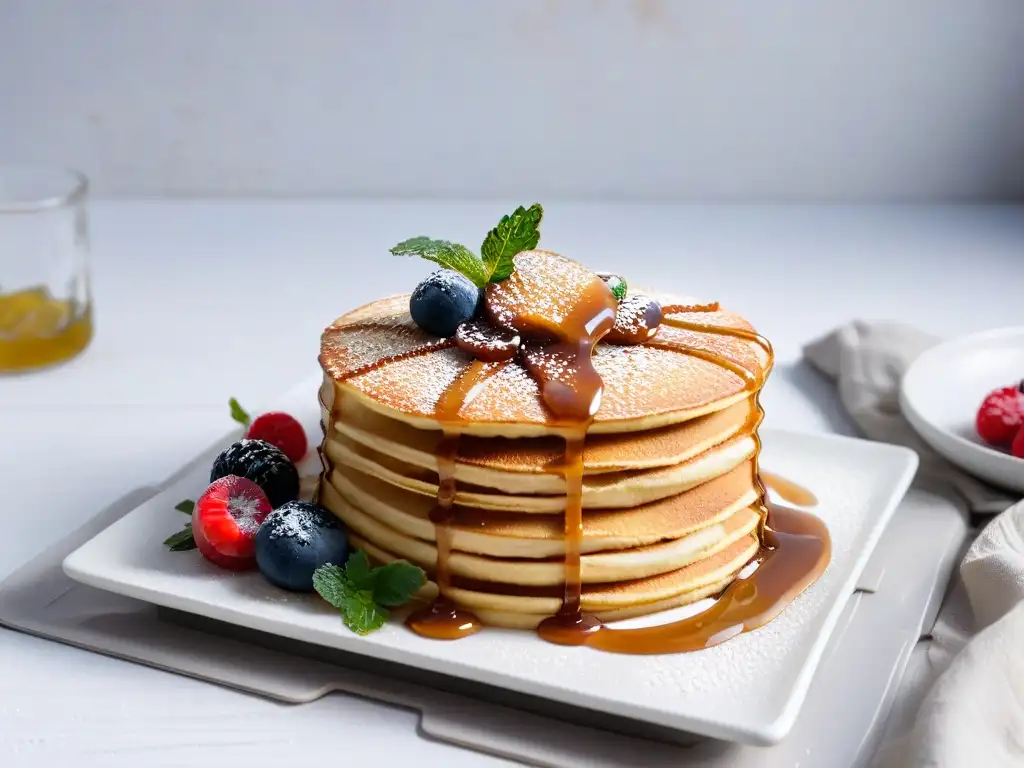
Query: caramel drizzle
(334, 412)
(795, 550)
(801, 538)
(752, 382)
(443, 619)
(424, 349)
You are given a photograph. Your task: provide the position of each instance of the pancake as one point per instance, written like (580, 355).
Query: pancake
(525, 607)
(482, 461)
(612, 490)
(379, 356)
(602, 566)
(539, 536)
(568, 452)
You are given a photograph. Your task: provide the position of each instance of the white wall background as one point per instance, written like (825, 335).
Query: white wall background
(720, 99)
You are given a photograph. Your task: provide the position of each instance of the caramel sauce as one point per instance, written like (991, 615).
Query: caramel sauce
(571, 387)
(753, 382)
(795, 545)
(796, 552)
(334, 412)
(443, 620)
(789, 491)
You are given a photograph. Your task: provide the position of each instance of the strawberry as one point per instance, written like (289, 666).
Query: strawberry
(225, 521)
(1001, 416)
(1017, 448)
(229, 563)
(279, 429)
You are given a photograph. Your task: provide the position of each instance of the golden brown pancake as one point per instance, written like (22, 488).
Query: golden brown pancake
(612, 490)
(598, 567)
(482, 461)
(514, 535)
(669, 493)
(644, 387)
(525, 607)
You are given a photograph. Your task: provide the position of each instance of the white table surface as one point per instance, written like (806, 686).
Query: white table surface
(199, 301)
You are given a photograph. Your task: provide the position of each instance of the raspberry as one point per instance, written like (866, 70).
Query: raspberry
(281, 430)
(1017, 449)
(1001, 416)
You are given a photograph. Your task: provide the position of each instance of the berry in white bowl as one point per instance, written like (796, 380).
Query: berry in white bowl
(949, 387)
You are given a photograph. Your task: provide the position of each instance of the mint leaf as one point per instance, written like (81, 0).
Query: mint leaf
(618, 289)
(396, 582)
(448, 255)
(238, 413)
(186, 506)
(363, 594)
(182, 541)
(361, 614)
(358, 571)
(518, 232)
(331, 584)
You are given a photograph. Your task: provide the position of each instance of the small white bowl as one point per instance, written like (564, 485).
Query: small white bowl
(944, 387)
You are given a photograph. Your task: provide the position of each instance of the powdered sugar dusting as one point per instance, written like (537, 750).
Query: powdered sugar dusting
(638, 380)
(485, 342)
(296, 522)
(247, 514)
(449, 282)
(636, 319)
(543, 290)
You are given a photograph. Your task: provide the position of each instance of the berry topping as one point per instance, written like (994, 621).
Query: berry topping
(1001, 416)
(225, 521)
(264, 464)
(442, 301)
(281, 430)
(1017, 447)
(636, 320)
(295, 540)
(615, 283)
(491, 345)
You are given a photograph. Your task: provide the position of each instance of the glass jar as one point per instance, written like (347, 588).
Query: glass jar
(45, 302)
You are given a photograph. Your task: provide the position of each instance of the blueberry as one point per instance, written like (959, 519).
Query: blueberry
(442, 301)
(264, 464)
(295, 540)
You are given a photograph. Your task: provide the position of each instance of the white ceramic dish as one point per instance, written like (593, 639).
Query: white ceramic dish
(748, 689)
(943, 388)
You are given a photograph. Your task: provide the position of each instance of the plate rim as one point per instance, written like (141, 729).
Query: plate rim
(763, 733)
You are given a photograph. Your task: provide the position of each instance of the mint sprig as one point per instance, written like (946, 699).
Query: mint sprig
(182, 541)
(363, 594)
(238, 413)
(519, 231)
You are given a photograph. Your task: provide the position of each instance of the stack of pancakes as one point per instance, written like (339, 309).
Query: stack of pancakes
(670, 492)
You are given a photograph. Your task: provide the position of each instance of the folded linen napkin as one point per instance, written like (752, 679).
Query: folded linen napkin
(973, 715)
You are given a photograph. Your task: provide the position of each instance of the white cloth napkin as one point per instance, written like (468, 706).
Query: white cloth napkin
(973, 716)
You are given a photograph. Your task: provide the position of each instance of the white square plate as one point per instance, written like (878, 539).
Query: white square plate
(748, 689)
